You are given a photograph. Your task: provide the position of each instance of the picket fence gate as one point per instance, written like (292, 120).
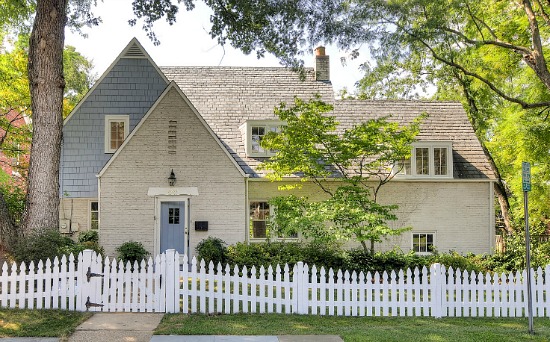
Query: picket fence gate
(167, 285)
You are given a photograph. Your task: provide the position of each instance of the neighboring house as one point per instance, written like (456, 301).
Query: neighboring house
(142, 127)
(14, 165)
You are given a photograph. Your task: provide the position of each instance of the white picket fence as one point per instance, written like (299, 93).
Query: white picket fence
(166, 285)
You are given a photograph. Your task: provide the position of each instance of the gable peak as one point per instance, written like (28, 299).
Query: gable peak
(134, 50)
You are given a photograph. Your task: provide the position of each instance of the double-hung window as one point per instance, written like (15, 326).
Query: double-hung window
(117, 128)
(94, 215)
(260, 213)
(428, 159)
(423, 243)
(259, 219)
(254, 131)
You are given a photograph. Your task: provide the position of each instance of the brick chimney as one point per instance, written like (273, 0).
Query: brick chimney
(322, 65)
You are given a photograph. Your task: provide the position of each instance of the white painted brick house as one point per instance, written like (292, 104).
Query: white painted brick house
(140, 124)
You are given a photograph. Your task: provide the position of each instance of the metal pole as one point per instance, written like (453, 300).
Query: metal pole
(528, 264)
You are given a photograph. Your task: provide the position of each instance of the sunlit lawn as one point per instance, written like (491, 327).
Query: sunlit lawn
(358, 328)
(39, 323)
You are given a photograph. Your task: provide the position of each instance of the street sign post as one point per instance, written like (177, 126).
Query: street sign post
(526, 184)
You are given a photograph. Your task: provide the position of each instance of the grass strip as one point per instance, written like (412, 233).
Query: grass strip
(358, 328)
(39, 323)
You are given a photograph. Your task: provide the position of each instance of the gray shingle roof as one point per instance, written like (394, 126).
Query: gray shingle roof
(227, 97)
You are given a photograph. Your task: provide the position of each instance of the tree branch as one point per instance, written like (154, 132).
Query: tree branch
(492, 86)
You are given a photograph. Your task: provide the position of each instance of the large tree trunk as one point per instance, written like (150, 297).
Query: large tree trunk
(46, 86)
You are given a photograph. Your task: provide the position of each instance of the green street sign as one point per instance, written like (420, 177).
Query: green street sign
(526, 176)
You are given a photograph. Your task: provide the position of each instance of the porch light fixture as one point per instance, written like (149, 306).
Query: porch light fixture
(172, 178)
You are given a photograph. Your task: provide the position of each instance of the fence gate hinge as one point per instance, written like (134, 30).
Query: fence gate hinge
(90, 304)
(89, 274)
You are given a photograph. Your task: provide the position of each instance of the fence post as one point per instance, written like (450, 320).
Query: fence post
(82, 284)
(299, 290)
(436, 289)
(168, 275)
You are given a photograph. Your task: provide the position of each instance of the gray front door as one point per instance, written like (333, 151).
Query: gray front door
(172, 226)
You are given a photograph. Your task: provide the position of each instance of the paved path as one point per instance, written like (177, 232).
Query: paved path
(107, 327)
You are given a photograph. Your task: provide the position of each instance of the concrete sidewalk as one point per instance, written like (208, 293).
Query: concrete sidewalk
(139, 327)
(107, 327)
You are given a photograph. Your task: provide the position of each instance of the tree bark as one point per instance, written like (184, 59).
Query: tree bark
(46, 84)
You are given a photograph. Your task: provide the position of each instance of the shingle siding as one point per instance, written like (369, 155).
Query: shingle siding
(82, 155)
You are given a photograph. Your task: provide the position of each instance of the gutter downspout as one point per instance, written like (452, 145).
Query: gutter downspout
(492, 233)
(98, 205)
(246, 208)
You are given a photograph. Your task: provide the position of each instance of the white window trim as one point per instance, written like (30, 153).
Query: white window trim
(107, 132)
(271, 213)
(246, 130)
(90, 214)
(423, 232)
(431, 145)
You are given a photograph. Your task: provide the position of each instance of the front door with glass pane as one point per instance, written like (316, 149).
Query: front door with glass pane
(172, 226)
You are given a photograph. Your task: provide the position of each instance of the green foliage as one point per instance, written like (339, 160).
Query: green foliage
(131, 251)
(88, 236)
(281, 253)
(360, 260)
(47, 245)
(14, 196)
(312, 146)
(212, 249)
(514, 257)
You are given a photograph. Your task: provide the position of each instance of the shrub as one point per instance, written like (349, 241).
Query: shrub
(455, 260)
(131, 251)
(212, 249)
(88, 236)
(42, 245)
(281, 253)
(47, 245)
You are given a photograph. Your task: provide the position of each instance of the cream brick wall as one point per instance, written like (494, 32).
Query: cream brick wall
(78, 211)
(127, 213)
(459, 213)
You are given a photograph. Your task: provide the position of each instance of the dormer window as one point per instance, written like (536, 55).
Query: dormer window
(117, 128)
(253, 132)
(428, 159)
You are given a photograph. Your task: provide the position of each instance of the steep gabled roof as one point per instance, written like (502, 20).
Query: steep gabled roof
(171, 85)
(446, 121)
(134, 49)
(227, 97)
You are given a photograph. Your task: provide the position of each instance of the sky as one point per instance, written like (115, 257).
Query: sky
(186, 43)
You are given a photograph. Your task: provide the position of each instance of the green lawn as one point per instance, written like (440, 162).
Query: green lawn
(358, 328)
(39, 323)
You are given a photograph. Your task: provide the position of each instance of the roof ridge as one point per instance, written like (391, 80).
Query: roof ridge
(230, 67)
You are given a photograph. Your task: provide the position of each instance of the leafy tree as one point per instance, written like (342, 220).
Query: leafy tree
(311, 145)
(46, 83)
(15, 134)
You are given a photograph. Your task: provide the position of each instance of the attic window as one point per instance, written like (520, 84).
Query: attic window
(428, 159)
(253, 132)
(116, 131)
